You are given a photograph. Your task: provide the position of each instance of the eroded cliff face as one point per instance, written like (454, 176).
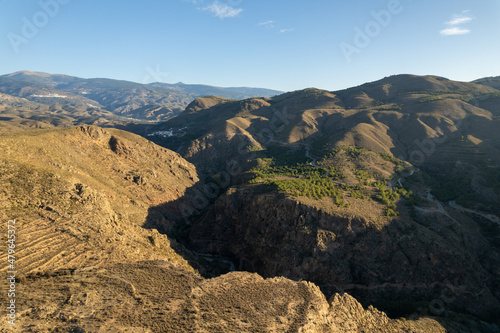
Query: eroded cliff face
(399, 263)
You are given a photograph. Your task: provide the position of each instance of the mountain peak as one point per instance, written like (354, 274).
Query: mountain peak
(34, 73)
(206, 102)
(26, 72)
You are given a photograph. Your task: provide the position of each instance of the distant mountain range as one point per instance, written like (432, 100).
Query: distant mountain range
(231, 93)
(155, 102)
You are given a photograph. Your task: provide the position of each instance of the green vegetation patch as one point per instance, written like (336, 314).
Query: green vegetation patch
(291, 172)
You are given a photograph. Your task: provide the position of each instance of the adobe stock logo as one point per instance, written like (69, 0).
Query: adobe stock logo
(31, 27)
(154, 75)
(372, 29)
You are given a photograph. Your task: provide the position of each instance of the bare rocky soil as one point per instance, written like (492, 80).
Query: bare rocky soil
(156, 296)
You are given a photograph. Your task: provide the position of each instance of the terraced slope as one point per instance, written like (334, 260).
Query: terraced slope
(80, 197)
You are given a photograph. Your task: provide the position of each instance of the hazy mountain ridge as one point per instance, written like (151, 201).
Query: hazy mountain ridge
(17, 113)
(43, 94)
(231, 93)
(156, 101)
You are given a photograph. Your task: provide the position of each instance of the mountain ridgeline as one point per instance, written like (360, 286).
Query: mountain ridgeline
(446, 127)
(127, 101)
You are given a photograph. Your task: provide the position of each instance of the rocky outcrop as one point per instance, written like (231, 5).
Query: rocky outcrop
(156, 296)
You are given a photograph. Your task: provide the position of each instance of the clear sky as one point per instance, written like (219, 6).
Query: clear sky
(278, 44)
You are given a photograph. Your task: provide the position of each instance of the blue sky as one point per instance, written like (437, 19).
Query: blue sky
(278, 44)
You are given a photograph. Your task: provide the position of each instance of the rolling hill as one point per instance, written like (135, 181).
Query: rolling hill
(493, 81)
(426, 121)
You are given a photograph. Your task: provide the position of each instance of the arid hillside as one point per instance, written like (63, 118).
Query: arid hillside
(81, 195)
(431, 122)
(384, 116)
(156, 296)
